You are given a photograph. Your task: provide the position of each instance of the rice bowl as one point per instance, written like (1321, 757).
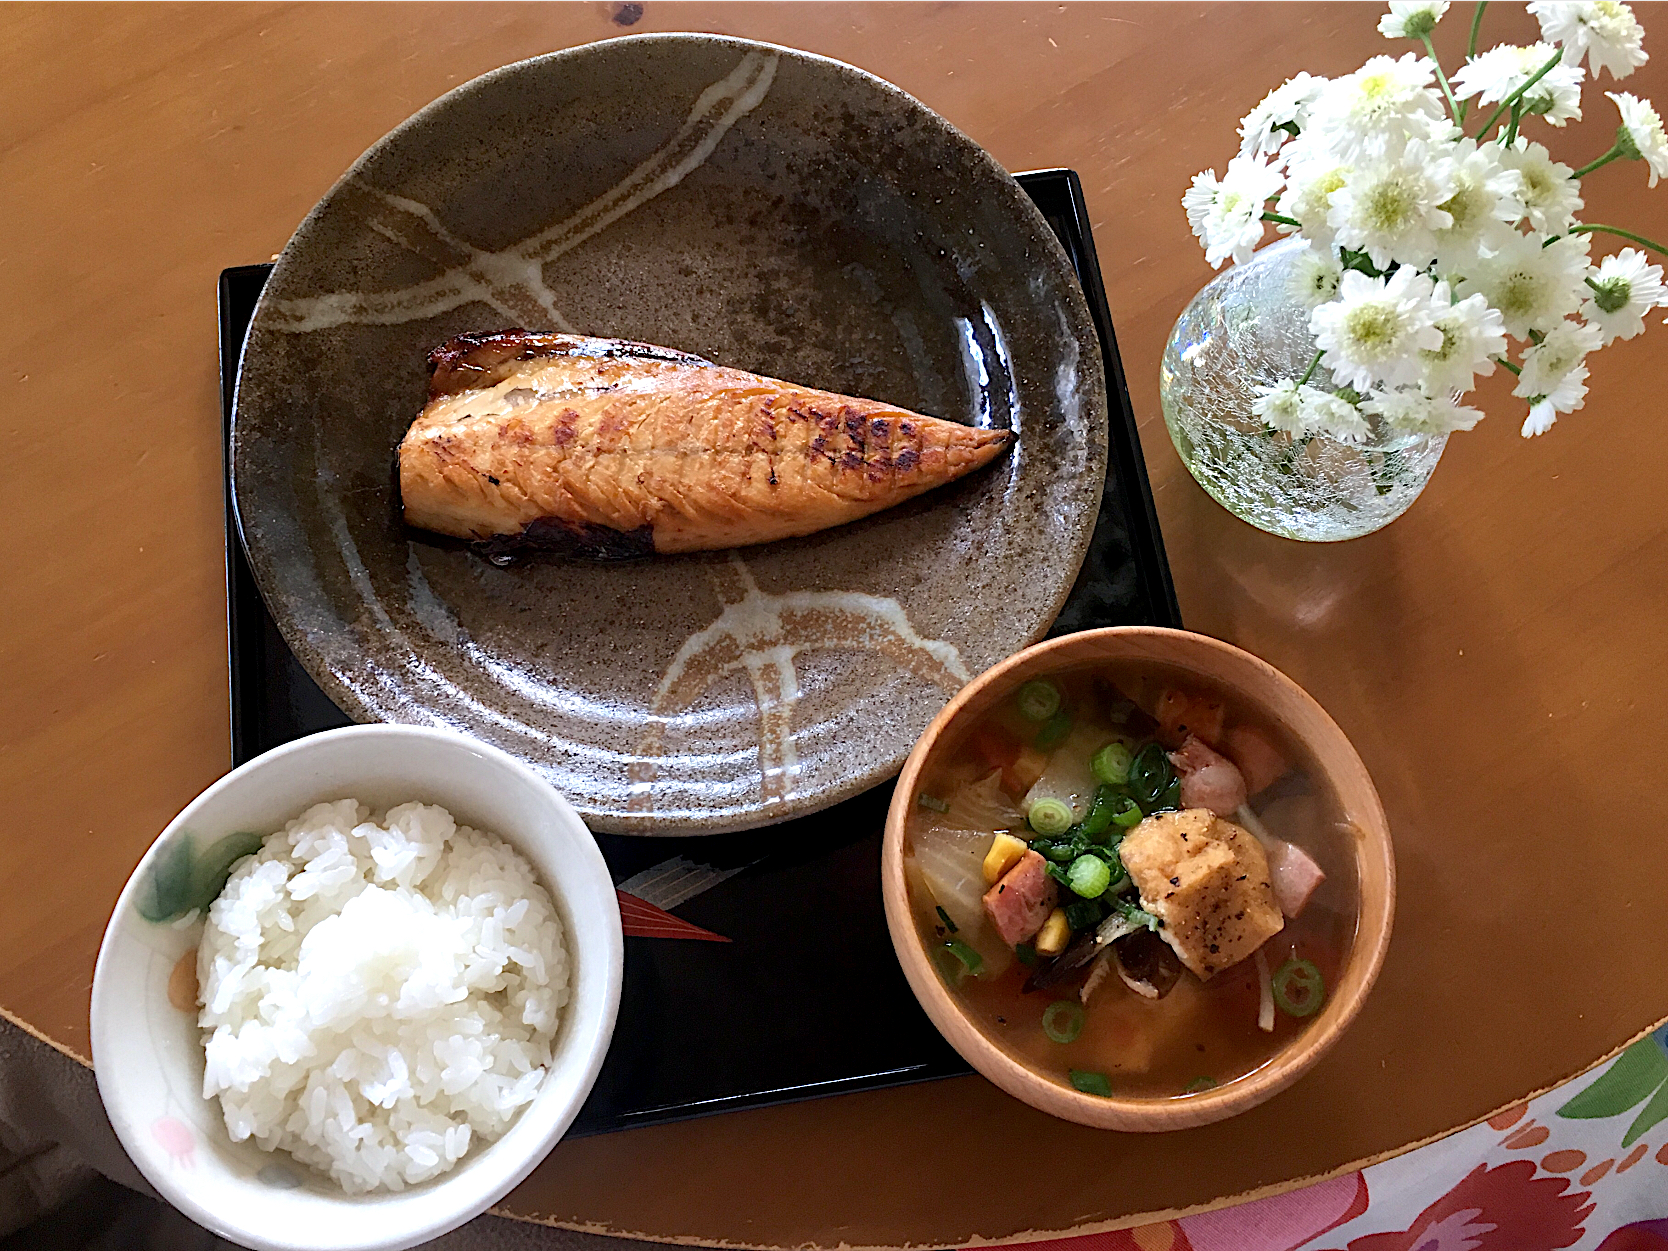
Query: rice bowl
(148, 1045)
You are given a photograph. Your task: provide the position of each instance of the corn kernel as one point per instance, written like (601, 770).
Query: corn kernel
(1055, 933)
(1004, 853)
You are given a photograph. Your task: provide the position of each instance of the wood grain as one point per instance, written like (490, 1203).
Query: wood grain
(1497, 656)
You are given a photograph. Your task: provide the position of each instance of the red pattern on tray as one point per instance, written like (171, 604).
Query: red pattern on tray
(641, 919)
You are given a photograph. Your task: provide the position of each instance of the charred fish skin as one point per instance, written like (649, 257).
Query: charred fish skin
(573, 540)
(535, 442)
(471, 361)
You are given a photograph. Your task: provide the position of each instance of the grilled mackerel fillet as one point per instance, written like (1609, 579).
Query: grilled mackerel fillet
(604, 448)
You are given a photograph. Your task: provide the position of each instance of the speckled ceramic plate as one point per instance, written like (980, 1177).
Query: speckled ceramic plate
(763, 208)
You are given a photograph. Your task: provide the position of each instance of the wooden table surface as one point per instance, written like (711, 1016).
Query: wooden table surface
(1498, 655)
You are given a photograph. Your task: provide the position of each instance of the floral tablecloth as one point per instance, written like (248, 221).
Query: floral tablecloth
(1582, 1166)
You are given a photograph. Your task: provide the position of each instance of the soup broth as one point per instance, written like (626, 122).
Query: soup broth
(1102, 1025)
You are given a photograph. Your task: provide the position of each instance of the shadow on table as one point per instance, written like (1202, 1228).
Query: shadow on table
(105, 1216)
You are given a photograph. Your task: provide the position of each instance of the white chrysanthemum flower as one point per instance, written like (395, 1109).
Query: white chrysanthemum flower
(1284, 406)
(1570, 395)
(1554, 377)
(1376, 328)
(1369, 115)
(1551, 193)
(1338, 419)
(1411, 19)
(1389, 210)
(1411, 409)
(1298, 410)
(1486, 196)
(1263, 129)
(1312, 175)
(1501, 70)
(1473, 334)
(1562, 348)
(1621, 290)
(1533, 286)
(1314, 277)
(1642, 128)
(1606, 33)
(1228, 215)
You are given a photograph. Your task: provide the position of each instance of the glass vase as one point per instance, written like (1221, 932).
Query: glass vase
(1249, 325)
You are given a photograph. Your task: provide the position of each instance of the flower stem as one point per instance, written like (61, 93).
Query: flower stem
(1518, 94)
(1511, 127)
(1626, 234)
(1603, 160)
(1454, 110)
(1476, 25)
(1282, 221)
(1310, 372)
(1503, 361)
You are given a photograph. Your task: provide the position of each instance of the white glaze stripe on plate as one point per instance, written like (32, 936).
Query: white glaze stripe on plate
(511, 282)
(762, 634)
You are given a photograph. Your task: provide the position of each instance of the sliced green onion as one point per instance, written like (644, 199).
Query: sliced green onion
(1149, 774)
(1038, 701)
(1082, 913)
(1171, 799)
(1026, 954)
(1049, 816)
(1120, 875)
(971, 960)
(1053, 732)
(952, 969)
(1091, 1083)
(1200, 1084)
(1111, 764)
(1101, 812)
(1299, 989)
(1089, 876)
(932, 801)
(1129, 816)
(948, 924)
(1134, 915)
(1063, 1020)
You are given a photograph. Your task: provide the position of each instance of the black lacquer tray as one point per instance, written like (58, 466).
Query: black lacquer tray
(758, 967)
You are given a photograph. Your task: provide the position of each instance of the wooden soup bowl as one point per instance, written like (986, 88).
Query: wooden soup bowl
(1278, 700)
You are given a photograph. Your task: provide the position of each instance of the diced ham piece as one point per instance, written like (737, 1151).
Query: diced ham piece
(1019, 903)
(1207, 779)
(1293, 873)
(1258, 759)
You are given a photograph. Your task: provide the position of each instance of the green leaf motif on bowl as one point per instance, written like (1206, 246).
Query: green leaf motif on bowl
(181, 879)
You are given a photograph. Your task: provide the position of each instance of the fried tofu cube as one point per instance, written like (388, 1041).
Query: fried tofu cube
(1207, 880)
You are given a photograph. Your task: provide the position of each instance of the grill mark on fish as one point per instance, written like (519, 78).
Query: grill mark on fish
(585, 433)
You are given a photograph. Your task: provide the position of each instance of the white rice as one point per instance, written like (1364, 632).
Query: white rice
(379, 996)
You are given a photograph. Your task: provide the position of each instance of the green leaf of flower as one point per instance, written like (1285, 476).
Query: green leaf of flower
(214, 866)
(1637, 1072)
(167, 884)
(1654, 1111)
